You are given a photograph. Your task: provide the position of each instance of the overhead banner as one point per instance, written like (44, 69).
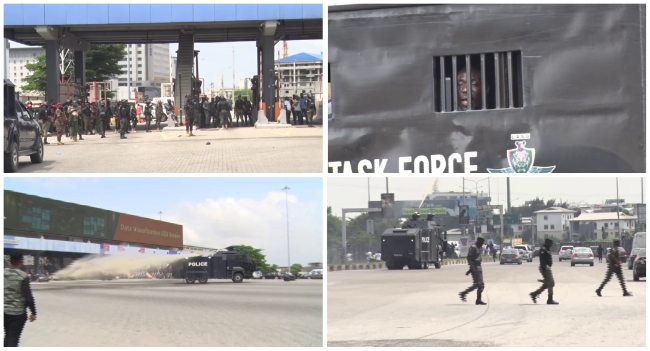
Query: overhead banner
(541, 99)
(442, 208)
(29, 213)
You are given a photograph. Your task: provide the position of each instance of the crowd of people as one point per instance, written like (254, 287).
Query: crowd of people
(74, 119)
(301, 107)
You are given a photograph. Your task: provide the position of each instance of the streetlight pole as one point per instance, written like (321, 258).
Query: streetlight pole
(286, 198)
(160, 213)
(618, 216)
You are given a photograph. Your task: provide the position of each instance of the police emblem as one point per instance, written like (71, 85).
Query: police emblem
(521, 160)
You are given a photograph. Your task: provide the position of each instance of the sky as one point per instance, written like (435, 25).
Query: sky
(214, 212)
(353, 192)
(216, 59)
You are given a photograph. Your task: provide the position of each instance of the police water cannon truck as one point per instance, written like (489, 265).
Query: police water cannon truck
(418, 244)
(221, 265)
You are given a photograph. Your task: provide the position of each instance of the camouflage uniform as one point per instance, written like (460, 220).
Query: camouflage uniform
(311, 110)
(74, 122)
(124, 112)
(94, 118)
(614, 267)
(18, 296)
(147, 115)
(134, 118)
(474, 261)
(159, 114)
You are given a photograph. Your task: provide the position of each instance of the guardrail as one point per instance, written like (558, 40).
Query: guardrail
(380, 265)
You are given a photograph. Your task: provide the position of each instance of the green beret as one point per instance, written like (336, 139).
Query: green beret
(548, 239)
(480, 238)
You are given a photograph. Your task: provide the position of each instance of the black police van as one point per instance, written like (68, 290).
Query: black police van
(222, 265)
(554, 88)
(22, 131)
(418, 244)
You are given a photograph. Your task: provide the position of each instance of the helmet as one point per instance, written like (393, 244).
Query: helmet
(169, 101)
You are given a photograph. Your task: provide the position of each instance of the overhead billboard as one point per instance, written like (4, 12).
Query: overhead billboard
(29, 213)
(442, 208)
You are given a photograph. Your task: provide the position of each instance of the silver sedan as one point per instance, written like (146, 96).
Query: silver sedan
(582, 255)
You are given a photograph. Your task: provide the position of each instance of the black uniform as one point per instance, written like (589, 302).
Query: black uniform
(103, 119)
(614, 267)
(474, 261)
(545, 263)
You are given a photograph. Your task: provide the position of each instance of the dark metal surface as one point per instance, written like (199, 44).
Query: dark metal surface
(583, 74)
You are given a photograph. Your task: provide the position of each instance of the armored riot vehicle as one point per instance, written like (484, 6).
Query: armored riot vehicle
(222, 265)
(418, 244)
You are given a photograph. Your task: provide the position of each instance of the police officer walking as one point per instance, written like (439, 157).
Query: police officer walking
(18, 297)
(614, 267)
(474, 261)
(190, 115)
(545, 263)
(104, 118)
(159, 114)
(147, 115)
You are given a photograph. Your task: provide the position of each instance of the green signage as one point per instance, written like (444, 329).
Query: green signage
(425, 211)
(507, 218)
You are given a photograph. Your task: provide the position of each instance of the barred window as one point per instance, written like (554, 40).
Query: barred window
(496, 82)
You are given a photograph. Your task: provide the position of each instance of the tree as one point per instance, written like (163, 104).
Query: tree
(37, 80)
(296, 268)
(244, 92)
(333, 229)
(256, 256)
(102, 62)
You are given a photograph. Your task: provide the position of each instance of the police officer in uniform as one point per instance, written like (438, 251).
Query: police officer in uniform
(474, 261)
(614, 267)
(73, 112)
(311, 109)
(248, 108)
(124, 116)
(18, 297)
(147, 115)
(109, 114)
(134, 118)
(159, 115)
(223, 113)
(190, 113)
(545, 263)
(103, 119)
(205, 110)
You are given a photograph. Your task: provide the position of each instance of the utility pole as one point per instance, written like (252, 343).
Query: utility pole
(618, 206)
(386, 185)
(128, 71)
(463, 190)
(642, 191)
(160, 213)
(368, 188)
(508, 179)
(489, 192)
(286, 197)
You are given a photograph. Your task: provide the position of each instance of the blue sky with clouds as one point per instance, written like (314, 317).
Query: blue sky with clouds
(215, 212)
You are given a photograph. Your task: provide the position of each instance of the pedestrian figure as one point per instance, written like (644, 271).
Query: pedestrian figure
(104, 118)
(311, 110)
(494, 254)
(134, 118)
(239, 110)
(124, 112)
(545, 263)
(614, 267)
(600, 254)
(18, 297)
(159, 114)
(60, 123)
(147, 115)
(74, 121)
(474, 261)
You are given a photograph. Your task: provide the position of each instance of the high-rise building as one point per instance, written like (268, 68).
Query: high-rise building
(18, 58)
(149, 67)
(245, 83)
(300, 73)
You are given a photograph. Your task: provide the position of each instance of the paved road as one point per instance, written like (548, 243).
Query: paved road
(422, 308)
(236, 150)
(172, 313)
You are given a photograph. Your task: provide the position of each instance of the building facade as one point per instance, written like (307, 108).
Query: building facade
(596, 224)
(554, 222)
(17, 59)
(300, 73)
(148, 65)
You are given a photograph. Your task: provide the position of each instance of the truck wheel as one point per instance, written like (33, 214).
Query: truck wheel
(38, 156)
(11, 159)
(437, 265)
(426, 265)
(237, 278)
(190, 281)
(203, 280)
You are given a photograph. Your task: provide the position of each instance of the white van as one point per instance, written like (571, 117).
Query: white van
(528, 256)
(639, 241)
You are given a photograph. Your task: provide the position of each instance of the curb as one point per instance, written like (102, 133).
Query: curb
(366, 266)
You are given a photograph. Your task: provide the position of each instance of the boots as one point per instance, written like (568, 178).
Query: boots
(533, 296)
(74, 138)
(462, 296)
(191, 134)
(550, 300)
(627, 293)
(478, 299)
(59, 143)
(598, 291)
(45, 142)
(81, 138)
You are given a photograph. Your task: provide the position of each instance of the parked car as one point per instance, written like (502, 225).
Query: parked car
(510, 256)
(622, 254)
(528, 251)
(40, 277)
(639, 266)
(288, 277)
(304, 276)
(316, 274)
(566, 252)
(582, 255)
(633, 255)
(258, 275)
(271, 275)
(22, 131)
(536, 251)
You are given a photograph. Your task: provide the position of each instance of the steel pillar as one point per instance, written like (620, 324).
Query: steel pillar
(267, 76)
(80, 67)
(52, 61)
(184, 70)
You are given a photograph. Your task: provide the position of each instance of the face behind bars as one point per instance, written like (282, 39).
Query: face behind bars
(475, 86)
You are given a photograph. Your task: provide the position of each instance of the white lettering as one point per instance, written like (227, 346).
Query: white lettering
(435, 159)
(198, 264)
(364, 164)
(421, 160)
(469, 168)
(454, 157)
(347, 167)
(335, 166)
(380, 165)
(402, 163)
